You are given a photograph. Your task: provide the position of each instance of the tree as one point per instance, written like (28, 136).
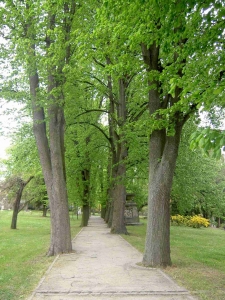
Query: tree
(171, 37)
(111, 77)
(22, 161)
(86, 148)
(16, 205)
(42, 34)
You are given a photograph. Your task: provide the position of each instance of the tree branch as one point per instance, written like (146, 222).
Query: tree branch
(98, 62)
(91, 110)
(144, 107)
(99, 128)
(25, 203)
(99, 80)
(26, 182)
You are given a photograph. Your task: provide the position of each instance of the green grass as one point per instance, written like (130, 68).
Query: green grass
(22, 252)
(198, 257)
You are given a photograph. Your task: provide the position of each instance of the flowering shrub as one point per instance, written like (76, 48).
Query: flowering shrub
(178, 220)
(195, 221)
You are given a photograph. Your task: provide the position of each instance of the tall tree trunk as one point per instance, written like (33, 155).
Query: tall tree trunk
(16, 204)
(85, 215)
(119, 195)
(51, 158)
(119, 166)
(157, 247)
(86, 196)
(103, 211)
(52, 167)
(60, 235)
(162, 162)
(109, 180)
(51, 151)
(110, 214)
(60, 220)
(85, 174)
(109, 201)
(108, 207)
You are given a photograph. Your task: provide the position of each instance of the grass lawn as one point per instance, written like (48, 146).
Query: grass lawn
(198, 257)
(22, 252)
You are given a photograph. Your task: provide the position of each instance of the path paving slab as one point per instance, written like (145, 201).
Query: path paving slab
(105, 266)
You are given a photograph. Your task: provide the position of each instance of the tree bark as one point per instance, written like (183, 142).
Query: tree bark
(108, 205)
(110, 214)
(157, 246)
(51, 145)
(85, 175)
(16, 204)
(103, 212)
(44, 210)
(162, 161)
(85, 215)
(119, 195)
(119, 166)
(51, 158)
(60, 236)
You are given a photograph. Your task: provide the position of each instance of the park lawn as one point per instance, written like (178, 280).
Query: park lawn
(198, 257)
(22, 252)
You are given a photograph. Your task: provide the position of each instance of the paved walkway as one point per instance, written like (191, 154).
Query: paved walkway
(103, 266)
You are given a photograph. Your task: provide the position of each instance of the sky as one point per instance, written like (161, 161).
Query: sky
(9, 114)
(4, 144)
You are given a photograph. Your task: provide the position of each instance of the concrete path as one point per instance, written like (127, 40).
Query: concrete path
(104, 266)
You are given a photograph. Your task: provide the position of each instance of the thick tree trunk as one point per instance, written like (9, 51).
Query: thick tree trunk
(109, 207)
(85, 215)
(51, 151)
(16, 204)
(52, 163)
(60, 236)
(110, 215)
(118, 224)
(162, 161)
(157, 247)
(106, 218)
(119, 166)
(86, 194)
(103, 212)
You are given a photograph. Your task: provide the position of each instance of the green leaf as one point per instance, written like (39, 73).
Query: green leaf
(218, 91)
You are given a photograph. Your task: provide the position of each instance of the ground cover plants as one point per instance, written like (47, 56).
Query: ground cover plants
(22, 252)
(197, 257)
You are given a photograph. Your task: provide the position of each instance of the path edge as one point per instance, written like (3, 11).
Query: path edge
(49, 269)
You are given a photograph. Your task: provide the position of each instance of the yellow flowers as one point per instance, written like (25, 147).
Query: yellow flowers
(178, 220)
(191, 221)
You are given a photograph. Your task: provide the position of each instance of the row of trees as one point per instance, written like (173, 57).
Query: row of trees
(147, 66)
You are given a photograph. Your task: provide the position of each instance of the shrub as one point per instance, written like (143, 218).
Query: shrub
(195, 221)
(178, 220)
